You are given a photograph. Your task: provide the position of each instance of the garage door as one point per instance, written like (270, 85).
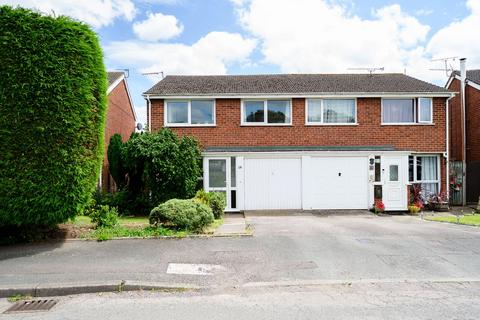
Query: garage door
(338, 183)
(273, 184)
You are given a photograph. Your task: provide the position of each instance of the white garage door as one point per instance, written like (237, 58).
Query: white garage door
(338, 183)
(273, 184)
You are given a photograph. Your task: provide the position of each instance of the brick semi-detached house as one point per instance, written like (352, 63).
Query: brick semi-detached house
(120, 119)
(472, 130)
(309, 141)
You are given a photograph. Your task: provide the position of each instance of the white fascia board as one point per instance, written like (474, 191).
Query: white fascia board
(115, 83)
(279, 154)
(469, 82)
(306, 95)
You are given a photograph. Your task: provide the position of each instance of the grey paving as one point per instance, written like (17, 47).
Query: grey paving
(284, 249)
(233, 223)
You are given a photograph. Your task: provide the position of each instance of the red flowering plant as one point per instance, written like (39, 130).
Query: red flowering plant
(378, 206)
(416, 198)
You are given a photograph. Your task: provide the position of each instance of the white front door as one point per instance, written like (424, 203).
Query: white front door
(394, 188)
(221, 177)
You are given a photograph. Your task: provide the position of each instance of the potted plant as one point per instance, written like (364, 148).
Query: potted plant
(378, 207)
(438, 202)
(415, 208)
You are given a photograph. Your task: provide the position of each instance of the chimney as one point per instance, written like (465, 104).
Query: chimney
(463, 78)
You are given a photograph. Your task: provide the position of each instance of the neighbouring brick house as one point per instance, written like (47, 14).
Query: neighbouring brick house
(120, 119)
(472, 129)
(309, 141)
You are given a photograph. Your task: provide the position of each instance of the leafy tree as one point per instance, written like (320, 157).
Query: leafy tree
(52, 103)
(161, 166)
(115, 160)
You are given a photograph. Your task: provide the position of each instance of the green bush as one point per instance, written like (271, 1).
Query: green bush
(215, 200)
(161, 166)
(218, 202)
(115, 160)
(104, 216)
(203, 197)
(52, 103)
(186, 214)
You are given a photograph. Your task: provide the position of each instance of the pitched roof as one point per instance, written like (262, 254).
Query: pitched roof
(113, 76)
(291, 84)
(472, 75)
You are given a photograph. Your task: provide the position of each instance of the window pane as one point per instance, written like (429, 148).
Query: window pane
(377, 192)
(278, 111)
(425, 110)
(202, 111)
(410, 168)
(233, 172)
(177, 112)
(393, 172)
(427, 168)
(233, 199)
(314, 110)
(378, 173)
(398, 111)
(253, 111)
(217, 173)
(429, 189)
(338, 111)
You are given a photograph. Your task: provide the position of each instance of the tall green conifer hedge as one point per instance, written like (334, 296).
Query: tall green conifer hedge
(52, 109)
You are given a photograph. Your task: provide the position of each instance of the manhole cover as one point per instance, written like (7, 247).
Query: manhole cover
(31, 306)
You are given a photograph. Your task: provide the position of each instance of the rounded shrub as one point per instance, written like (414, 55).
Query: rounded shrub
(218, 202)
(52, 103)
(187, 214)
(104, 216)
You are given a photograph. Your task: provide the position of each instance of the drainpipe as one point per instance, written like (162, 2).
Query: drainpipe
(447, 153)
(463, 77)
(149, 118)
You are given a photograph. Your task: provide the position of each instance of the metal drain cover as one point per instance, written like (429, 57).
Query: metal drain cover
(31, 306)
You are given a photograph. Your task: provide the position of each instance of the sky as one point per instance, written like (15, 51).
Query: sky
(275, 36)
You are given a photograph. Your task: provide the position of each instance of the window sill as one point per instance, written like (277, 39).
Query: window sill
(407, 124)
(330, 124)
(189, 125)
(266, 125)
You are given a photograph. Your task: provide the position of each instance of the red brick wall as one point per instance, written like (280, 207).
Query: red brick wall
(472, 96)
(229, 132)
(120, 119)
(455, 123)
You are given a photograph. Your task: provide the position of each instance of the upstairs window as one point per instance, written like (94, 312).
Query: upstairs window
(404, 111)
(331, 111)
(190, 113)
(266, 112)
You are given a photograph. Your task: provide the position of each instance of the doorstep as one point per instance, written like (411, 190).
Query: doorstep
(233, 224)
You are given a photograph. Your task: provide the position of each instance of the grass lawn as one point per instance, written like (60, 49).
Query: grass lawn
(472, 220)
(129, 227)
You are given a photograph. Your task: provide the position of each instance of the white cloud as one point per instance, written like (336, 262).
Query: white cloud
(324, 37)
(459, 38)
(97, 13)
(209, 55)
(157, 26)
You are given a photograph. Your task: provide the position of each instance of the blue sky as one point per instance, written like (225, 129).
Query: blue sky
(273, 36)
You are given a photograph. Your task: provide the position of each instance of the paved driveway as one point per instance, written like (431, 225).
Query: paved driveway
(284, 249)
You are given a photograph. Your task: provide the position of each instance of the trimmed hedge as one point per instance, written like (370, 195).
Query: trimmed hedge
(187, 214)
(52, 104)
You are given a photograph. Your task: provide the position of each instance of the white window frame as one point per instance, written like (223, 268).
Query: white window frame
(321, 123)
(189, 116)
(265, 113)
(420, 113)
(439, 173)
(416, 113)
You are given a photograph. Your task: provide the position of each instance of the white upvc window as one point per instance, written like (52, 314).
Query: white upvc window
(425, 110)
(425, 170)
(266, 112)
(331, 111)
(407, 111)
(184, 113)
